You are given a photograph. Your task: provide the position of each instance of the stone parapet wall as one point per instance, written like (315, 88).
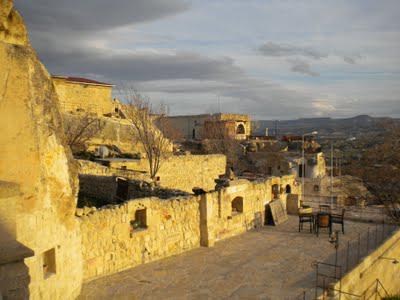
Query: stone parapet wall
(255, 196)
(110, 244)
(228, 223)
(87, 167)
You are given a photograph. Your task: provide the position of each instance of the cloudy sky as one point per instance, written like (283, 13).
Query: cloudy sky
(272, 59)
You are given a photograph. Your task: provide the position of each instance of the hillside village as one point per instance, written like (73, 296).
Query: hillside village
(87, 192)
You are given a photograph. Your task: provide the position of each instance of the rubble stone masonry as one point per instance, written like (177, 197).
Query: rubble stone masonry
(110, 243)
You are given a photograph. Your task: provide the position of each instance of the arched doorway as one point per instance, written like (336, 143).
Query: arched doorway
(288, 189)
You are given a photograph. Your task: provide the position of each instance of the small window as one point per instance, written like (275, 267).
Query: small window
(288, 189)
(316, 188)
(140, 221)
(240, 129)
(49, 263)
(237, 205)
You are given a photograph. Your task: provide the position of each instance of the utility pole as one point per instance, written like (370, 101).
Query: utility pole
(331, 174)
(302, 168)
(303, 163)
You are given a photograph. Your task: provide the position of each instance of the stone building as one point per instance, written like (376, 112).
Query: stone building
(198, 127)
(276, 160)
(77, 94)
(312, 167)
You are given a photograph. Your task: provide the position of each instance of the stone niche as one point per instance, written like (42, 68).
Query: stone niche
(38, 182)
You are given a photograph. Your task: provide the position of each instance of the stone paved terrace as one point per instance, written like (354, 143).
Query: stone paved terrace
(270, 263)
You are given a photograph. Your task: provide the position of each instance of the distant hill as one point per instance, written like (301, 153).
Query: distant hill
(325, 126)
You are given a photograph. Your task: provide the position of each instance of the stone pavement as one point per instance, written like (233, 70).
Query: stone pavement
(270, 263)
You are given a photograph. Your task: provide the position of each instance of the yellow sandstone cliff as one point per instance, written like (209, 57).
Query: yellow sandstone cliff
(40, 255)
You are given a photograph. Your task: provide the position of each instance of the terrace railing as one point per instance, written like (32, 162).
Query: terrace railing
(348, 256)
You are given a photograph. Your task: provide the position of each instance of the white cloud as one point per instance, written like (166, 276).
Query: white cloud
(322, 107)
(187, 52)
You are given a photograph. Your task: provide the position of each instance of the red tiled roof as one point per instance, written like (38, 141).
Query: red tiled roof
(83, 80)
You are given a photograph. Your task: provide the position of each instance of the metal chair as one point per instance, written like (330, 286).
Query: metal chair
(338, 219)
(306, 218)
(325, 208)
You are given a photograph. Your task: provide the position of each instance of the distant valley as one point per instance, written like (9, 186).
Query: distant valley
(343, 128)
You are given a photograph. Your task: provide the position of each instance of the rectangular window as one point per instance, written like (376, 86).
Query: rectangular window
(49, 263)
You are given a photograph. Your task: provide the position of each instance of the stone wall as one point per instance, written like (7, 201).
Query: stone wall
(226, 221)
(86, 167)
(182, 172)
(110, 244)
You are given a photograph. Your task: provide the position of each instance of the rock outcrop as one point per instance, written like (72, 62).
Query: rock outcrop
(12, 27)
(38, 181)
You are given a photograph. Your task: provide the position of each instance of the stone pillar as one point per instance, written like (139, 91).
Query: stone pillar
(207, 235)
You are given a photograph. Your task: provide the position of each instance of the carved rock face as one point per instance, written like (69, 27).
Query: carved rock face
(12, 28)
(33, 152)
(38, 180)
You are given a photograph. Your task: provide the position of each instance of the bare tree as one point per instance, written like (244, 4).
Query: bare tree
(79, 129)
(143, 117)
(379, 167)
